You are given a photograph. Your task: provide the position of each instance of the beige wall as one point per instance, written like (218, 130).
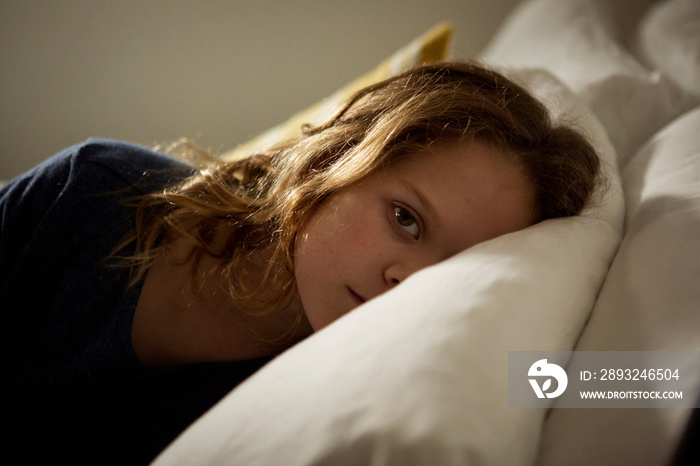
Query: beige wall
(220, 71)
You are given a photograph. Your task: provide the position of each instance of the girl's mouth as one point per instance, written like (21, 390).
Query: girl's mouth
(357, 299)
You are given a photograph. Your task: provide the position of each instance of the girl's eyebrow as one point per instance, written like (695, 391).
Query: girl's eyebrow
(425, 204)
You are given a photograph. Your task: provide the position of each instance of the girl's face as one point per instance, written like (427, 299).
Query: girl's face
(424, 208)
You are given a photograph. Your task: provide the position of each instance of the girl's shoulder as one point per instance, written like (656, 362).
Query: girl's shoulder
(82, 185)
(132, 163)
(94, 162)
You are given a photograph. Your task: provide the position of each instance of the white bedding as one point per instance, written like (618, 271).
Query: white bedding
(418, 376)
(646, 95)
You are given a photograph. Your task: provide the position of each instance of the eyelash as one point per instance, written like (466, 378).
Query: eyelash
(396, 211)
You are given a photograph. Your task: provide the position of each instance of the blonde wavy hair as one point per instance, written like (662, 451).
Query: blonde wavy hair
(267, 197)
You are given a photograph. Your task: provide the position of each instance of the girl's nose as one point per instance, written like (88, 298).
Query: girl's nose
(395, 274)
(405, 266)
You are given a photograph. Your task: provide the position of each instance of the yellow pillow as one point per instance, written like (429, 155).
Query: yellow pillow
(434, 45)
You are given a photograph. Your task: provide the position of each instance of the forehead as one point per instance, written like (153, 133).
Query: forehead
(476, 191)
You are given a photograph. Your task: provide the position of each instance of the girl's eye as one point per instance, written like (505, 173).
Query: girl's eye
(407, 221)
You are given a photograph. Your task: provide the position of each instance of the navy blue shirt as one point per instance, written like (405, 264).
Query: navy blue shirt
(77, 390)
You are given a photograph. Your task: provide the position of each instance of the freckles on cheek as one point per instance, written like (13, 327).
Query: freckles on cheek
(313, 255)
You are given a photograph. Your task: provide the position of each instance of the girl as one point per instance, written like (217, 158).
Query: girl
(139, 290)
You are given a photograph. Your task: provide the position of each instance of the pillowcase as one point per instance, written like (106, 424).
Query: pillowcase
(419, 374)
(434, 45)
(649, 302)
(669, 39)
(576, 41)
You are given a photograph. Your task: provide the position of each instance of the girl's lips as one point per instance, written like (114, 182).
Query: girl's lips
(357, 299)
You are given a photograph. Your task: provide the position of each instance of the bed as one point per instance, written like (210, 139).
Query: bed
(419, 375)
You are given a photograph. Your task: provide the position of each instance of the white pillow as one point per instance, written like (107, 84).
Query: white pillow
(419, 375)
(669, 39)
(573, 39)
(649, 302)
